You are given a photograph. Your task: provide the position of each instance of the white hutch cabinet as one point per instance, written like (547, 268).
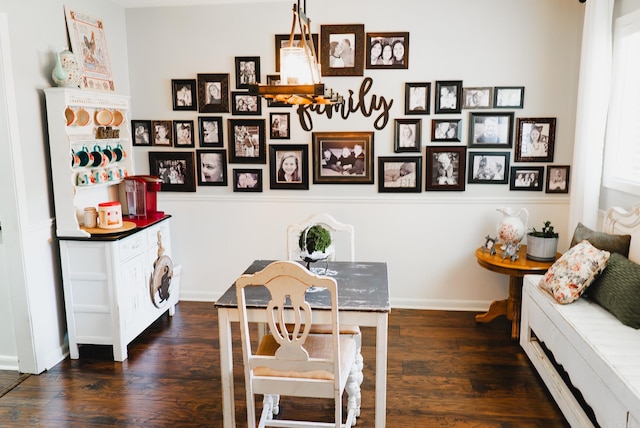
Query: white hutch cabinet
(110, 297)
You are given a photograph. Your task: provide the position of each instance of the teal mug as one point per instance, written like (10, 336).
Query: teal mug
(86, 158)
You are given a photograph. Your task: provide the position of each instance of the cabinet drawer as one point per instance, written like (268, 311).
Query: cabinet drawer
(132, 245)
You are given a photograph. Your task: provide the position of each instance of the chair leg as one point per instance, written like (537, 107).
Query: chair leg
(353, 394)
(359, 375)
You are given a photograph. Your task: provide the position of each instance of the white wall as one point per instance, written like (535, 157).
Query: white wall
(428, 239)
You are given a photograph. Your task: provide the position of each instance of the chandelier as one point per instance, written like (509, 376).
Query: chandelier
(299, 69)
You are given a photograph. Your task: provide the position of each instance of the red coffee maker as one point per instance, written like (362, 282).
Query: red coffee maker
(141, 197)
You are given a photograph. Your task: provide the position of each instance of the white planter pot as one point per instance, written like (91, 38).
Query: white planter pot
(541, 249)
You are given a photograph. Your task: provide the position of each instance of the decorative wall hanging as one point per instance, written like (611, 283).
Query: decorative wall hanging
(535, 139)
(488, 167)
(341, 50)
(142, 132)
(474, 98)
(445, 168)
(526, 178)
(491, 130)
(400, 174)
(446, 130)
(388, 50)
(289, 166)
(183, 132)
(407, 135)
(247, 180)
(212, 167)
(162, 133)
(417, 97)
(343, 157)
(247, 141)
(280, 126)
(175, 169)
(448, 96)
(243, 103)
(210, 131)
(557, 179)
(508, 97)
(213, 93)
(184, 94)
(247, 71)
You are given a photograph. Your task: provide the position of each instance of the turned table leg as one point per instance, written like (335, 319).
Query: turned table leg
(513, 305)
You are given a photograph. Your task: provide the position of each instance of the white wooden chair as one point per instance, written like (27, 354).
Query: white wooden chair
(295, 363)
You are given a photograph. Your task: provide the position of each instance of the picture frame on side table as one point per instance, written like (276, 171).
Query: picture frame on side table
(417, 97)
(535, 139)
(289, 166)
(184, 94)
(407, 135)
(488, 167)
(212, 167)
(491, 130)
(508, 97)
(400, 174)
(331, 151)
(213, 93)
(175, 169)
(141, 132)
(247, 71)
(349, 39)
(210, 131)
(247, 141)
(557, 179)
(445, 168)
(526, 178)
(247, 180)
(387, 50)
(183, 131)
(448, 96)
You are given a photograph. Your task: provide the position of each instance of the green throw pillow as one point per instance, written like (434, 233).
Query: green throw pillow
(617, 289)
(603, 241)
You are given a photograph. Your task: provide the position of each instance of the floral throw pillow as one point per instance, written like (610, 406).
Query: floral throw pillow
(572, 273)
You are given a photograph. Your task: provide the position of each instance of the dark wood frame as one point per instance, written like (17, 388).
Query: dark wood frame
(335, 140)
(382, 174)
(280, 137)
(417, 147)
(282, 39)
(256, 68)
(549, 139)
(272, 79)
(234, 157)
(203, 80)
(448, 83)
(218, 121)
(407, 97)
(234, 104)
(146, 124)
(500, 116)
(389, 38)
(176, 84)
(192, 138)
(458, 166)
(458, 136)
(566, 169)
(223, 158)
(189, 185)
(496, 97)
(468, 92)
(258, 176)
(325, 38)
(483, 179)
(515, 170)
(274, 160)
(168, 124)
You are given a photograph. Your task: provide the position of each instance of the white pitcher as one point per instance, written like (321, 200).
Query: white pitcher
(512, 227)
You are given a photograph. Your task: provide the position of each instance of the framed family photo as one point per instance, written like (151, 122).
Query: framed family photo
(445, 168)
(488, 167)
(282, 41)
(247, 180)
(341, 50)
(491, 130)
(162, 133)
(184, 94)
(557, 179)
(273, 79)
(526, 178)
(407, 135)
(280, 126)
(141, 132)
(446, 130)
(175, 169)
(508, 97)
(343, 157)
(535, 139)
(243, 103)
(212, 167)
(473, 98)
(397, 174)
(388, 50)
(289, 166)
(247, 71)
(213, 93)
(417, 96)
(247, 141)
(448, 96)
(183, 131)
(210, 131)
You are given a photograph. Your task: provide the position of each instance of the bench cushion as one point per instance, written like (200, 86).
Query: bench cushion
(601, 240)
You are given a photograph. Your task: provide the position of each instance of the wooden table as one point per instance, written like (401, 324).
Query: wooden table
(363, 299)
(516, 270)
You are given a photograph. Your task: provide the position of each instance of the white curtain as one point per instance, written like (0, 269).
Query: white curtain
(591, 114)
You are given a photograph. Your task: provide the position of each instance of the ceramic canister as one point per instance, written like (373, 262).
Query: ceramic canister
(110, 214)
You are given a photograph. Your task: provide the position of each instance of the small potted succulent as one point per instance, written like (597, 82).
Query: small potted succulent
(542, 245)
(315, 244)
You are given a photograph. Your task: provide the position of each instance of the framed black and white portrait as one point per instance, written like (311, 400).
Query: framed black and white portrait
(526, 178)
(417, 96)
(491, 130)
(477, 98)
(388, 50)
(162, 133)
(448, 96)
(243, 103)
(557, 179)
(212, 167)
(446, 130)
(445, 168)
(183, 132)
(247, 180)
(213, 93)
(535, 139)
(280, 126)
(508, 97)
(141, 132)
(408, 135)
(175, 169)
(289, 166)
(400, 174)
(247, 71)
(488, 167)
(184, 94)
(247, 141)
(341, 50)
(210, 131)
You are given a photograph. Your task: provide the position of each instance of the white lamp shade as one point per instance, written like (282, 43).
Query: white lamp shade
(297, 67)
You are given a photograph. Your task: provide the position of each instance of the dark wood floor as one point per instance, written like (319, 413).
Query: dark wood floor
(443, 370)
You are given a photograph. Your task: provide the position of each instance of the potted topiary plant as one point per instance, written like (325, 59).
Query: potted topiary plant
(542, 245)
(315, 244)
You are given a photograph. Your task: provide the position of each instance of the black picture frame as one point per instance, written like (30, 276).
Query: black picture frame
(448, 96)
(488, 167)
(247, 180)
(491, 130)
(183, 134)
(245, 104)
(273, 79)
(184, 94)
(335, 143)
(241, 133)
(210, 87)
(400, 174)
(445, 168)
(282, 41)
(175, 169)
(558, 179)
(407, 135)
(210, 131)
(247, 71)
(281, 155)
(162, 133)
(417, 97)
(354, 34)
(446, 130)
(529, 178)
(280, 126)
(141, 132)
(540, 148)
(212, 167)
(477, 97)
(397, 42)
(508, 97)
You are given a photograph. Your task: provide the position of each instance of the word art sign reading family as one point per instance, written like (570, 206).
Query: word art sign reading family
(351, 105)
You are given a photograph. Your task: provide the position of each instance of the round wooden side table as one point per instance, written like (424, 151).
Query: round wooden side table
(517, 269)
